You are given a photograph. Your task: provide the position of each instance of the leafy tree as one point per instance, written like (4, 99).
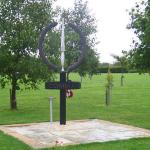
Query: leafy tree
(20, 24)
(122, 60)
(81, 17)
(140, 22)
(93, 63)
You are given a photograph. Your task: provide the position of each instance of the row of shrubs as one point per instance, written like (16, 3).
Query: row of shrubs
(115, 69)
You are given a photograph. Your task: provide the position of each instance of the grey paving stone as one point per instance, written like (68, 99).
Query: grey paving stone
(40, 135)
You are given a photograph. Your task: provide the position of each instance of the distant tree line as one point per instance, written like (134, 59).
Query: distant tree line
(113, 69)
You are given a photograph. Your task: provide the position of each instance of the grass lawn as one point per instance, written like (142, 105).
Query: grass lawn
(130, 105)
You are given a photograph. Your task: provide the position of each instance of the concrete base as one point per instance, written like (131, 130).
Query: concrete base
(42, 135)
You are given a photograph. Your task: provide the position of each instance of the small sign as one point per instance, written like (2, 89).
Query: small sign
(61, 85)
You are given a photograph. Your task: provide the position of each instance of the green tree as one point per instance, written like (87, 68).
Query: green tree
(20, 24)
(140, 23)
(80, 16)
(122, 60)
(90, 64)
(93, 63)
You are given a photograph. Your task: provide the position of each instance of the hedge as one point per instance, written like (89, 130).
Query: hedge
(113, 70)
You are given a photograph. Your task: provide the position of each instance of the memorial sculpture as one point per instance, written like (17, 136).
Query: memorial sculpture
(64, 84)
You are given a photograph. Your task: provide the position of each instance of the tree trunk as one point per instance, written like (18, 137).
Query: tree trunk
(13, 102)
(90, 76)
(108, 96)
(122, 76)
(122, 80)
(81, 79)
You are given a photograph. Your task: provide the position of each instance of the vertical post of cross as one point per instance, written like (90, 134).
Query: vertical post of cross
(62, 78)
(62, 99)
(62, 45)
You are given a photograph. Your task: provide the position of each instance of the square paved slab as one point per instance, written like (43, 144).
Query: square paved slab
(41, 135)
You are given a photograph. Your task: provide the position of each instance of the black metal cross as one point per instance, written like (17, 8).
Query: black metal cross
(63, 85)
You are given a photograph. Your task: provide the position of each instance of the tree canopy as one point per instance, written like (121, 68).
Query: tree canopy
(82, 17)
(140, 22)
(121, 60)
(20, 25)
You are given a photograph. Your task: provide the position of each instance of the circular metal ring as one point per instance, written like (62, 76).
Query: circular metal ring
(82, 47)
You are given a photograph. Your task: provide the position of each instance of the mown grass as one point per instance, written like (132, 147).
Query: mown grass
(130, 105)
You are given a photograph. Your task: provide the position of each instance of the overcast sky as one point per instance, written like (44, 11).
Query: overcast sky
(112, 19)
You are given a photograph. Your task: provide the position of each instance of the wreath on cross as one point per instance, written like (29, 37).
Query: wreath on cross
(82, 47)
